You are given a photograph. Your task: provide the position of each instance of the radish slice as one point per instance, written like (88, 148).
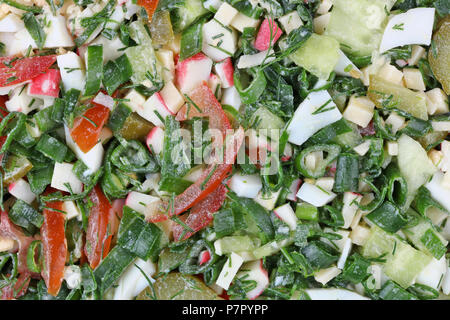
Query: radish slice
(412, 27)
(286, 214)
(255, 271)
(155, 140)
(21, 190)
(314, 195)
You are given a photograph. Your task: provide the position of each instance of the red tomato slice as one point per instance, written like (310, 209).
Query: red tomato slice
(54, 245)
(86, 132)
(23, 69)
(206, 101)
(150, 6)
(209, 181)
(98, 236)
(201, 214)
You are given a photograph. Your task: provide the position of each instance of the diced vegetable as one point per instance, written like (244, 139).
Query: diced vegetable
(316, 112)
(401, 29)
(388, 95)
(54, 247)
(440, 53)
(358, 25)
(319, 55)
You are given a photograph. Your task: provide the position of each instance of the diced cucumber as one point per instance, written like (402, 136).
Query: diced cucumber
(390, 95)
(264, 119)
(146, 67)
(230, 244)
(271, 248)
(15, 167)
(187, 13)
(403, 262)
(378, 243)
(319, 55)
(349, 139)
(144, 64)
(358, 24)
(426, 238)
(414, 165)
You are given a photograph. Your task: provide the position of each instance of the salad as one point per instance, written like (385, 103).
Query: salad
(224, 149)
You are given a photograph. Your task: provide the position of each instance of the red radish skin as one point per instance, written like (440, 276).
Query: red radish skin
(155, 140)
(46, 84)
(295, 186)
(190, 72)
(162, 103)
(204, 257)
(266, 276)
(225, 71)
(269, 30)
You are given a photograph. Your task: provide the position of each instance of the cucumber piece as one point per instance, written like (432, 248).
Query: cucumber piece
(350, 139)
(187, 13)
(178, 286)
(144, 64)
(14, 167)
(414, 165)
(230, 244)
(406, 264)
(425, 238)
(390, 95)
(319, 55)
(271, 248)
(94, 69)
(265, 119)
(358, 24)
(378, 243)
(403, 262)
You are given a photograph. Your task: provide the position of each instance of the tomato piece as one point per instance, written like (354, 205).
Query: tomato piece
(54, 245)
(23, 69)
(201, 214)
(98, 235)
(206, 105)
(150, 6)
(86, 128)
(208, 182)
